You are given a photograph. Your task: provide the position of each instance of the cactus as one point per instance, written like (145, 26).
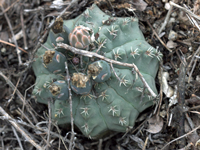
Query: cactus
(59, 90)
(54, 61)
(80, 37)
(100, 71)
(81, 84)
(104, 98)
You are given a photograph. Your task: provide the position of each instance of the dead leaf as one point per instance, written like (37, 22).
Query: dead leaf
(139, 4)
(155, 124)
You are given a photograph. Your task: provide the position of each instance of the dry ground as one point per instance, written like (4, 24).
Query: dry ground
(173, 29)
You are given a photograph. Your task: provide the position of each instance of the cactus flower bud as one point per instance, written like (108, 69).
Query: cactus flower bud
(80, 37)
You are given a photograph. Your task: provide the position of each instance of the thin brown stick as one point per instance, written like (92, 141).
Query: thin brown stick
(35, 127)
(193, 57)
(191, 124)
(13, 45)
(62, 138)
(2, 143)
(92, 54)
(19, 129)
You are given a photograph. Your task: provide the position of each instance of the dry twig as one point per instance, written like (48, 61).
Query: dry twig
(71, 111)
(13, 45)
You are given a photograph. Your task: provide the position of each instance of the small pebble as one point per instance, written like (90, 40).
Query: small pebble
(3, 50)
(167, 6)
(172, 35)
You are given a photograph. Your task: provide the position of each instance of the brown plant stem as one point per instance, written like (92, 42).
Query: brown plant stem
(13, 45)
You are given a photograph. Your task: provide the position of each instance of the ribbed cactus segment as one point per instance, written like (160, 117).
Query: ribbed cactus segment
(100, 71)
(59, 90)
(81, 84)
(54, 61)
(43, 83)
(105, 96)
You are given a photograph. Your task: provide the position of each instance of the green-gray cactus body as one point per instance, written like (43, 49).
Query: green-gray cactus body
(116, 95)
(54, 61)
(100, 71)
(59, 90)
(81, 84)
